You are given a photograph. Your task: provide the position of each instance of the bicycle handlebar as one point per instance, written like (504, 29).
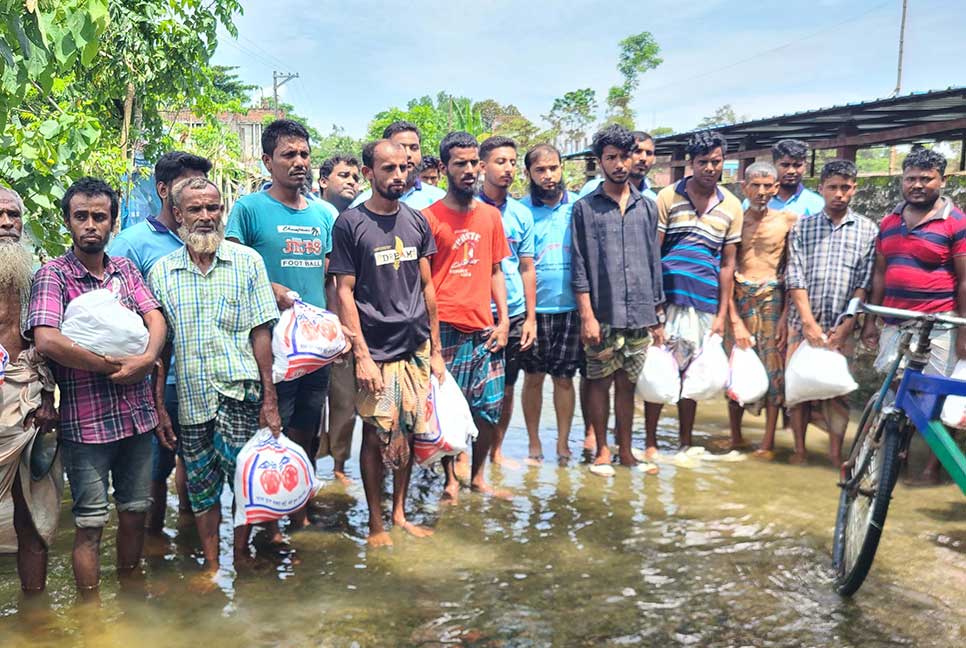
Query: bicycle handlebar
(856, 305)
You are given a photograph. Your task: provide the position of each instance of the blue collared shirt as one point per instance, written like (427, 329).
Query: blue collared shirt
(552, 242)
(518, 227)
(419, 196)
(644, 188)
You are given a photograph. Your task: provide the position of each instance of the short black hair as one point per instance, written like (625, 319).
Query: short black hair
(325, 170)
(613, 135)
(537, 151)
(494, 142)
(429, 162)
(456, 139)
(369, 151)
(642, 136)
(401, 126)
(281, 128)
(173, 163)
(793, 148)
(703, 142)
(844, 168)
(925, 159)
(89, 186)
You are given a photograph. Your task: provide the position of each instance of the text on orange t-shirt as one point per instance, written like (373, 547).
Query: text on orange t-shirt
(467, 247)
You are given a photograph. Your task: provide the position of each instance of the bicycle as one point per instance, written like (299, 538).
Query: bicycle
(885, 429)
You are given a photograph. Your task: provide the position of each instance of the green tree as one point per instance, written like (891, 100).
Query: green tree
(723, 116)
(639, 53)
(86, 84)
(571, 116)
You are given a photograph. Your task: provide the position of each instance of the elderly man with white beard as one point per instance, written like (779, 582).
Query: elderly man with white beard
(220, 310)
(26, 411)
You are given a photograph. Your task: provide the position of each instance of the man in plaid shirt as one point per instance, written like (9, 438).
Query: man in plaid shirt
(220, 308)
(106, 409)
(830, 259)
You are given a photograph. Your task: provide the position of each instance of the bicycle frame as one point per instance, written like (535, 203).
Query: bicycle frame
(921, 398)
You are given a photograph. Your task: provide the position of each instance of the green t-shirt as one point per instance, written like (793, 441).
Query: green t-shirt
(293, 242)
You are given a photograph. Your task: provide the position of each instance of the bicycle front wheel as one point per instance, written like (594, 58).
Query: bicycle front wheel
(871, 475)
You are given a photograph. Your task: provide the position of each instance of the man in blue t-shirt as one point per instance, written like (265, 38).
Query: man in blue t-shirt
(418, 195)
(790, 158)
(498, 157)
(145, 243)
(557, 349)
(293, 235)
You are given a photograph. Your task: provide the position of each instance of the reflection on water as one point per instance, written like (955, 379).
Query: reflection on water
(720, 554)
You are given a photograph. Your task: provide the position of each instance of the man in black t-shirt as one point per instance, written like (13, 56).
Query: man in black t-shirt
(380, 258)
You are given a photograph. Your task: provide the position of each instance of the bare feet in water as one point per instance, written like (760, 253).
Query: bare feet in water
(451, 493)
(204, 582)
(343, 479)
(798, 459)
(534, 460)
(380, 539)
(484, 488)
(462, 467)
(413, 529)
(763, 454)
(499, 459)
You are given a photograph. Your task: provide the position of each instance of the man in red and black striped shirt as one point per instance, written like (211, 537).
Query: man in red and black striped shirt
(921, 265)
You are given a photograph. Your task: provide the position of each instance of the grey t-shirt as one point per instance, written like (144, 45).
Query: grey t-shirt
(382, 253)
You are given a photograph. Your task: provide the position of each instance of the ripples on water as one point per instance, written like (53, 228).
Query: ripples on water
(718, 555)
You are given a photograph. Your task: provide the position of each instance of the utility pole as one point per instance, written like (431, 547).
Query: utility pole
(895, 93)
(278, 80)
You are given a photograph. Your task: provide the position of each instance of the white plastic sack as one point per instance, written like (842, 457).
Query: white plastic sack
(660, 379)
(954, 409)
(99, 322)
(449, 423)
(707, 375)
(816, 373)
(305, 339)
(748, 379)
(273, 478)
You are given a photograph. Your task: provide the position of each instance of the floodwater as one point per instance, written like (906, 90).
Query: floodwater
(721, 554)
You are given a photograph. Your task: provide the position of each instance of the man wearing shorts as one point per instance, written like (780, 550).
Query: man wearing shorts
(380, 258)
(220, 309)
(498, 156)
(920, 265)
(700, 227)
(616, 279)
(758, 312)
(557, 349)
(293, 235)
(830, 258)
(467, 275)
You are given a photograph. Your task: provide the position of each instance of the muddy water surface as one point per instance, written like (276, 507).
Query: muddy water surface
(719, 554)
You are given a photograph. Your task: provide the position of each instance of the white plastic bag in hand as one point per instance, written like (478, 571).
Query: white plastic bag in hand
(305, 339)
(660, 379)
(954, 409)
(707, 374)
(449, 423)
(273, 478)
(100, 323)
(748, 380)
(816, 373)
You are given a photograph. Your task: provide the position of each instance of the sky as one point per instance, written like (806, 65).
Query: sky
(355, 59)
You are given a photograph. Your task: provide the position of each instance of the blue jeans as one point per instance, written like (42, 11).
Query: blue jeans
(128, 464)
(162, 459)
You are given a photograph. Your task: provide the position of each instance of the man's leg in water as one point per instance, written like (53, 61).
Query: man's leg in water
(652, 414)
(371, 468)
(735, 413)
(687, 409)
(799, 414)
(400, 488)
(564, 400)
(500, 428)
(598, 405)
(624, 416)
(590, 434)
(532, 397)
(341, 415)
(31, 550)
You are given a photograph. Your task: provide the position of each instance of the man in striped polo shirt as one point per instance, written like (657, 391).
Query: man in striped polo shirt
(699, 227)
(920, 265)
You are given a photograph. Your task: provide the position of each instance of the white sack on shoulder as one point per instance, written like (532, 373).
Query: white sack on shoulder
(660, 379)
(707, 375)
(99, 322)
(748, 380)
(816, 373)
(954, 409)
(305, 339)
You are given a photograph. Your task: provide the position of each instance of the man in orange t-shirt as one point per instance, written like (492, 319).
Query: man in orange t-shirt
(470, 244)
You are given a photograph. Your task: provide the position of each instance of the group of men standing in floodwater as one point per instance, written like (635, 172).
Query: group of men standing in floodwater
(467, 284)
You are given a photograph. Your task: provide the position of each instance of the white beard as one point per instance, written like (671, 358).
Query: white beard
(16, 267)
(203, 243)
